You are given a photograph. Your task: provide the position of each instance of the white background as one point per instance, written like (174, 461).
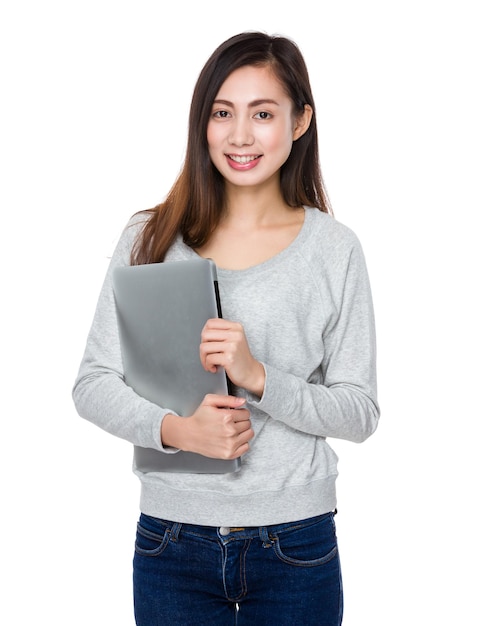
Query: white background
(94, 104)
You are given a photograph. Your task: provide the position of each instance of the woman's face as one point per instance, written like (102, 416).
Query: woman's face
(252, 127)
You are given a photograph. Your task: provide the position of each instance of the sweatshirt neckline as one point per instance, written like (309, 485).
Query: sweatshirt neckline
(274, 260)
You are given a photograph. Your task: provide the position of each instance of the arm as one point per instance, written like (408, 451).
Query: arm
(340, 398)
(100, 393)
(219, 428)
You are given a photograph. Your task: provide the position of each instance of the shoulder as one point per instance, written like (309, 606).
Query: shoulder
(333, 255)
(136, 223)
(128, 237)
(329, 238)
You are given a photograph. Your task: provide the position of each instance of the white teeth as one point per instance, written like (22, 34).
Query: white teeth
(242, 159)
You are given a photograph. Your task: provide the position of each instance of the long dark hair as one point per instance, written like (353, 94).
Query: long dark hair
(195, 202)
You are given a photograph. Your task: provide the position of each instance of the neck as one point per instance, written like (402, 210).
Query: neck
(251, 206)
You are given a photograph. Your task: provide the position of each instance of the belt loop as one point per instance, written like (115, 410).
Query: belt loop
(175, 530)
(264, 536)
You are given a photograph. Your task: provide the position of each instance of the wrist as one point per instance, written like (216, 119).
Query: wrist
(256, 385)
(172, 428)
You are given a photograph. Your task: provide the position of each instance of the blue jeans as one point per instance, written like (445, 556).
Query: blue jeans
(283, 575)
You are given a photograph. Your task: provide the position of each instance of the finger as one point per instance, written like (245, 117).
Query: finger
(213, 361)
(221, 327)
(212, 347)
(244, 439)
(213, 356)
(243, 430)
(206, 362)
(219, 336)
(240, 415)
(219, 322)
(223, 402)
(230, 348)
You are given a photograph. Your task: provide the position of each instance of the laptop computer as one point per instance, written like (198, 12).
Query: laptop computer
(161, 310)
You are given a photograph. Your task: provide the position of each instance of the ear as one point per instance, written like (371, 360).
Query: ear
(302, 122)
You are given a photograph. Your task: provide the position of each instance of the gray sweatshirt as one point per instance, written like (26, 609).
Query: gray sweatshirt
(308, 317)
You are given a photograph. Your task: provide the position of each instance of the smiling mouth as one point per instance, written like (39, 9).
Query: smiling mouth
(243, 159)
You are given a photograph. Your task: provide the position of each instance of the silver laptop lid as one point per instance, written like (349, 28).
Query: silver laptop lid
(162, 308)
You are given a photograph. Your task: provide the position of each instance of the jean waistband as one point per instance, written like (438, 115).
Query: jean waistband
(227, 532)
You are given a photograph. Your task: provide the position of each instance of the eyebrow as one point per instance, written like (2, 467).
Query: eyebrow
(252, 104)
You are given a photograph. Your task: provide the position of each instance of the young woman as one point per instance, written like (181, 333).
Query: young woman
(258, 546)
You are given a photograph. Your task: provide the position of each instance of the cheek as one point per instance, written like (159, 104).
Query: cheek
(215, 150)
(211, 143)
(281, 146)
(281, 138)
(211, 136)
(215, 146)
(216, 132)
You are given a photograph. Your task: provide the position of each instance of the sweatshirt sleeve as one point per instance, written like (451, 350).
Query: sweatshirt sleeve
(340, 399)
(100, 393)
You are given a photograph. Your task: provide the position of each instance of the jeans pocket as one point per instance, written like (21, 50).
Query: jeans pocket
(307, 546)
(149, 543)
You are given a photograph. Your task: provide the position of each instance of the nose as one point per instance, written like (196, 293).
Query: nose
(241, 132)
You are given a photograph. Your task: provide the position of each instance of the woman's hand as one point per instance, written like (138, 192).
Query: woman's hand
(220, 428)
(223, 343)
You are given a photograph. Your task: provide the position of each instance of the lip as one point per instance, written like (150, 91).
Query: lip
(243, 162)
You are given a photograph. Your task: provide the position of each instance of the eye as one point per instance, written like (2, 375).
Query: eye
(220, 114)
(263, 115)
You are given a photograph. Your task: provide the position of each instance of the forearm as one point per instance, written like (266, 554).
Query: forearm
(255, 383)
(105, 400)
(172, 432)
(343, 410)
